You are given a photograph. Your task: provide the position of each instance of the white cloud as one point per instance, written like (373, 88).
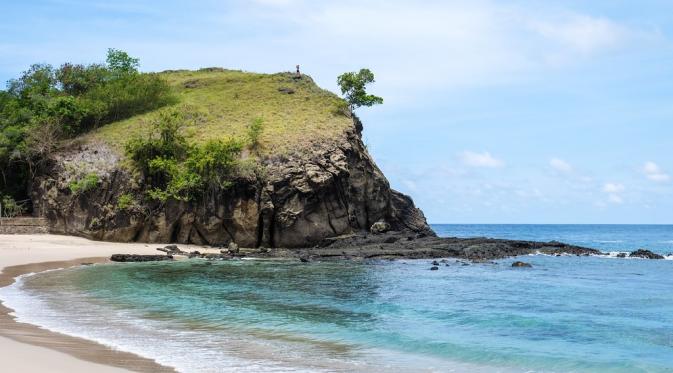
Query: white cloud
(581, 32)
(440, 45)
(615, 198)
(613, 188)
(654, 172)
(560, 165)
(614, 191)
(484, 159)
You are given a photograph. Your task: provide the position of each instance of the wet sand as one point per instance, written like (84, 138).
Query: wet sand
(28, 348)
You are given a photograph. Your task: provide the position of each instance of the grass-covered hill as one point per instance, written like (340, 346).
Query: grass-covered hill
(211, 156)
(209, 113)
(224, 103)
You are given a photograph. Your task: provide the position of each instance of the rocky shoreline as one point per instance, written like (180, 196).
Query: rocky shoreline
(392, 245)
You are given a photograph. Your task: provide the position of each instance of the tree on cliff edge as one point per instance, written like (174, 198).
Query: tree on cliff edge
(353, 85)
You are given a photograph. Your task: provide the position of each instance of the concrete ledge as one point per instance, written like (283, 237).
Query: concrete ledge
(23, 226)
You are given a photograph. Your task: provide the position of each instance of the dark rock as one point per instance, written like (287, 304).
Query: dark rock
(435, 263)
(434, 268)
(286, 90)
(621, 255)
(139, 258)
(194, 83)
(303, 259)
(521, 264)
(391, 239)
(326, 189)
(646, 254)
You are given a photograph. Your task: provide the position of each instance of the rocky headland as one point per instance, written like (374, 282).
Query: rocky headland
(309, 189)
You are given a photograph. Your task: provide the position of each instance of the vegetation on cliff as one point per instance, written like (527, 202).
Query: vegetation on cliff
(46, 105)
(115, 104)
(174, 169)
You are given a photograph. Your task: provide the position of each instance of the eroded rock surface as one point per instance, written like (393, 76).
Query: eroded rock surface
(325, 190)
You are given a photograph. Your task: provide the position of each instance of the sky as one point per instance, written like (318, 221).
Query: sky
(495, 111)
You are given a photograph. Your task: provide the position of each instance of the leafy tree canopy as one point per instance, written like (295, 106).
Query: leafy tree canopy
(119, 62)
(353, 87)
(46, 105)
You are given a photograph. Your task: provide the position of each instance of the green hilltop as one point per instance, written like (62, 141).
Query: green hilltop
(223, 104)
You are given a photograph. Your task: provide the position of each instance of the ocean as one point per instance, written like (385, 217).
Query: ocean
(565, 314)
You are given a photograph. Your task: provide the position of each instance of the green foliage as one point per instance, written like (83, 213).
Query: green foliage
(254, 131)
(120, 63)
(175, 170)
(214, 162)
(126, 201)
(45, 105)
(10, 208)
(85, 184)
(353, 87)
(75, 80)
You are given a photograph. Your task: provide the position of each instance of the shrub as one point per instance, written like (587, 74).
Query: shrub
(126, 201)
(85, 184)
(175, 170)
(254, 131)
(10, 208)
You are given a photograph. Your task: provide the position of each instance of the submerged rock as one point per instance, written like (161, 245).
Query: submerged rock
(522, 264)
(139, 258)
(645, 254)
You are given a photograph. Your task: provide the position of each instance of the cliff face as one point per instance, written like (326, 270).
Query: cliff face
(329, 189)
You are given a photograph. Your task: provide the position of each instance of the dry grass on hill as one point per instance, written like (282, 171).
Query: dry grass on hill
(225, 102)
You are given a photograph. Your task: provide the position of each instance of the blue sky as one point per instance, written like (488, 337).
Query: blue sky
(495, 111)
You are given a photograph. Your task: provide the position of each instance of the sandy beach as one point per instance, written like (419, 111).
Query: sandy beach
(27, 348)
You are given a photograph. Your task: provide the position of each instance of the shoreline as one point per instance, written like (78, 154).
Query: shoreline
(30, 348)
(79, 348)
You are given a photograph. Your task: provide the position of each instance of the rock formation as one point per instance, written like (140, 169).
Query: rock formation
(327, 190)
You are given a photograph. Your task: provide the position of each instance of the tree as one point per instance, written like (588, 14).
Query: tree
(353, 85)
(120, 63)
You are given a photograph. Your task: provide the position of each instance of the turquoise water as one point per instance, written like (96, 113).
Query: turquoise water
(606, 237)
(566, 314)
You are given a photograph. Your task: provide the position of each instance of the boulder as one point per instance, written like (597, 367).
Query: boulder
(521, 264)
(645, 254)
(233, 247)
(139, 258)
(434, 268)
(379, 227)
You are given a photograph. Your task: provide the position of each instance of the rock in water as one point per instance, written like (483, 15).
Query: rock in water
(434, 268)
(521, 264)
(645, 254)
(379, 227)
(139, 258)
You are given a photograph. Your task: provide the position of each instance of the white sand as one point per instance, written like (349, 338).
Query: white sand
(25, 249)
